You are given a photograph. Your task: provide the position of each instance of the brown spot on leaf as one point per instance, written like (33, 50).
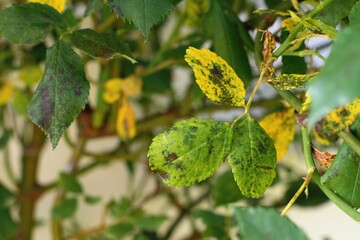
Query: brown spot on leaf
(171, 157)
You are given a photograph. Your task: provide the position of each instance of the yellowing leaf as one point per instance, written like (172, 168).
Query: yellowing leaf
(290, 81)
(6, 91)
(215, 77)
(131, 86)
(195, 10)
(125, 122)
(280, 126)
(336, 121)
(59, 5)
(112, 90)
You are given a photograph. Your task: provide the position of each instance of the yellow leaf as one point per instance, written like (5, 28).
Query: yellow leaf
(280, 126)
(337, 120)
(112, 90)
(215, 77)
(59, 5)
(30, 75)
(290, 81)
(131, 86)
(6, 91)
(195, 10)
(125, 122)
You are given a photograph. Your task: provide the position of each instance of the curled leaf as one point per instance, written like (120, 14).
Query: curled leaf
(59, 5)
(125, 122)
(280, 126)
(215, 77)
(324, 158)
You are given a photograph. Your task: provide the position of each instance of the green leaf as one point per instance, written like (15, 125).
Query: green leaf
(354, 15)
(335, 12)
(61, 94)
(20, 101)
(225, 189)
(122, 207)
(338, 81)
(120, 230)
(292, 64)
(93, 6)
(252, 158)
(69, 183)
(91, 200)
(100, 45)
(151, 223)
(29, 23)
(216, 225)
(343, 175)
(265, 223)
(190, 151)
(65, 209)
(226, 40)
(143, 13)
(4, 138)
(8, 226)
(5, 195)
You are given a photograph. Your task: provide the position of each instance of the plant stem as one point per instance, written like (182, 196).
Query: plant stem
(29, 189)
(298, 27)
(294, 101)
(316, 177)
(351, 140)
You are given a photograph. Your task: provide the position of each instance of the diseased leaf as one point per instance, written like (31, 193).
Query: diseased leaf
(29, 23)
(215, 77)
(69, 183)
(340, 75)
(100, 45)
(216, 225)
(252, 158)
(226, 39)
(59, 5)
(190, 151)
(290, 81)
(125, 121)
(65, 209)
(61, 94)
(280, 126)
(354, 15)
(337, 120)
(343, 175)
(265, 223)
(143, 13)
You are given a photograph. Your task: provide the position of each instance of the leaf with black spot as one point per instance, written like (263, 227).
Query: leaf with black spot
(61, 94)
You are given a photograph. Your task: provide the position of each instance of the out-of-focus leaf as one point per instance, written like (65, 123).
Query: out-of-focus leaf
(6, 92)
(125, 120)
(215, 77)
(8, 226)
(252, 158)
(131, 86)
(335, 11)
(30, 74)
(119, 208)
(280, 126)
(343, 175)
(93, 6)
(225, 189)
(21, 101)
(92, 199)
(226, 40)
(59, 5)
(120, 230)
(190, 151)
(100, 45)
(151, 223)
(216, 225)
(61, 94)
(5, 195)
(265, 223)
(316, 196)
(158, 82)
(338, 81)
(112, 91)
(292, 64)
(69, 183)
(65, 209)
(143, 13)
(354, 15)
(6, 134)
(29, 23)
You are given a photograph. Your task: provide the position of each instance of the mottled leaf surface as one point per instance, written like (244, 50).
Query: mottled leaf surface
(29, 23)
(215, 77)
(290, 81)
(143, 13)
(61, 94)
(343, 175)
(252, 158)
(265, 223)
(338, 81)
(100, 45)
(226, 39)
(190, 151)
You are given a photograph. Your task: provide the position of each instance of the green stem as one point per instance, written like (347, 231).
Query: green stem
(298, 27)
(316, 177)
(290, 97)
(351, 140)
